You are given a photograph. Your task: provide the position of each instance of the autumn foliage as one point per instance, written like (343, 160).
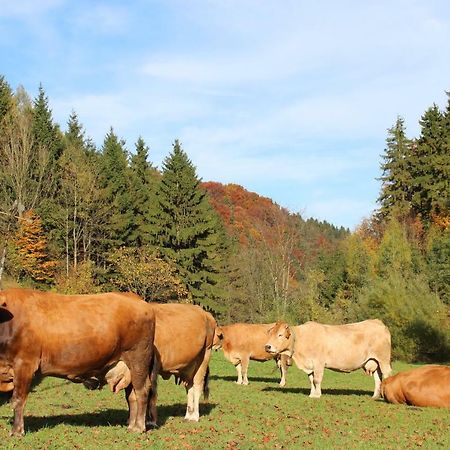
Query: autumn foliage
(246, 215)
(31, 245)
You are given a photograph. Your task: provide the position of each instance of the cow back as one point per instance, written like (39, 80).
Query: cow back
(424, 386)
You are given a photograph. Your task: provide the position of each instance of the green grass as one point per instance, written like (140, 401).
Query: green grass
(61, 415)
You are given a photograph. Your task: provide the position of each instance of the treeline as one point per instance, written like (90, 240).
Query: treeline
(78, 219)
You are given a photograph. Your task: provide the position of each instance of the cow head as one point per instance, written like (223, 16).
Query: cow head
(279, 338)
(218, 338)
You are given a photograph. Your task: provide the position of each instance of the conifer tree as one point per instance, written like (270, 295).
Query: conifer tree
(396, 195)
(428, 170)
(187, 229)
(47, 143)
(143, 184)
(6, 99)
(116, 193)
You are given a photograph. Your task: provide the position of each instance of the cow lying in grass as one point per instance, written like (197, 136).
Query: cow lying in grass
(425, 386)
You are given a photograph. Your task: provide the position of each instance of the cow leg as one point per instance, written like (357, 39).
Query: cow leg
(283, 369)
(377, 377)
(190, 409)
(130, 396)
(152, 413)
(139, 362)
(199, 382)
(316, 380)
(137, 398)
(22, 381)
(239, 372)
(245, 362)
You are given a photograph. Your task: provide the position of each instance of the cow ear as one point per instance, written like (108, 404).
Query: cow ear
(288, 332)
(5, 315)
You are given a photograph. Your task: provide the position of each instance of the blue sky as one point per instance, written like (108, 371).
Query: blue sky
(290, 99)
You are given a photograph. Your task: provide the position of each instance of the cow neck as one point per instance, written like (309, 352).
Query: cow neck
(292, 343)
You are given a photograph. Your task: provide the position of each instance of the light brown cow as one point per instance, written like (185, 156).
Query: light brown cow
(184, 337)
(183, 342)
(343, 348)
(242, 342)
(425, 386)
(77, 337)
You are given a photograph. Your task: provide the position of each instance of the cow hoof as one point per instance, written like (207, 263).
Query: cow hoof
(245, 383)
(192, 418)
(314, 396)
(152, 426)
(17, 433)
(282, 384)
(238, 382)
(135, 429)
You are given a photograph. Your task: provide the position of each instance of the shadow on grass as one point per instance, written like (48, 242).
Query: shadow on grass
(105, 418)
(306, 391)
(250, 378)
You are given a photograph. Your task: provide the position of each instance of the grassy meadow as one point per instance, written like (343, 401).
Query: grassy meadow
(60, 415)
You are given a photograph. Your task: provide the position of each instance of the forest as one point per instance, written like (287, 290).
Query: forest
(76, 218)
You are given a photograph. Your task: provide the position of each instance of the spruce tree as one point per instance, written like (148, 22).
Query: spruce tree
(445, 161)
(116, 192)
(428, 170)
(187, 229)
(6, 99)
(47, 143)
(395, 197)
(143, 183)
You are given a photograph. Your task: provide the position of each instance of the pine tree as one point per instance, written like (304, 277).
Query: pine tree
(116, 193)
(6, 99)
(395, 197)
(187, 229)
(143, 184)
(444, 162)
(47, 143)
(429, 179)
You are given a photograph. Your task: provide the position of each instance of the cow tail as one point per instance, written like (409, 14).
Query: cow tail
(206, 385)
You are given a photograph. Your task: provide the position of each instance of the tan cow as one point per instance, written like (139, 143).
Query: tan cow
(242, 342)
(77, 337)
(425, 386)
(183, 341)
(343, 348)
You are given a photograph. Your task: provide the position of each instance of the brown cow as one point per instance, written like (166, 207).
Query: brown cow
(77, 337)
(425, 386)
(183, 341)
(343, 348)
(242, 342)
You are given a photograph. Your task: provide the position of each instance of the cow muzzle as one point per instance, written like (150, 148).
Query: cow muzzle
(270, 349)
